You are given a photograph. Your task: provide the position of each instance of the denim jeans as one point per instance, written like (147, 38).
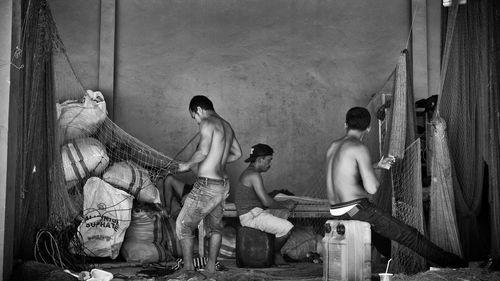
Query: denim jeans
(389, 227)
(205, 201)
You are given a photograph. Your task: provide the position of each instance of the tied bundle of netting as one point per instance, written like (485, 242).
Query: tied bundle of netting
(77, 161)
(393, 133)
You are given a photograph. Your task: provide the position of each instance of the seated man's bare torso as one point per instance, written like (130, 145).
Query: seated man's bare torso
(343, 174)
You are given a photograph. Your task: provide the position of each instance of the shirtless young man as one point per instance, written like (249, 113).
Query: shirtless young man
(351, 181)
(217, 147)
(253, 202)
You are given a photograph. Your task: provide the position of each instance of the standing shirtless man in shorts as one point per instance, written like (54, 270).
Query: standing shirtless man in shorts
(217, 147)
(351, 181)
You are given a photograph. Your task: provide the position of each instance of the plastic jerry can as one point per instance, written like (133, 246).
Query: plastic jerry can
(347, 255)
(254, 248)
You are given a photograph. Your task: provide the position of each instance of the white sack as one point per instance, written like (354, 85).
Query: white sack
(134, 179)
(107, 214)
(81, 119)
(82, 158)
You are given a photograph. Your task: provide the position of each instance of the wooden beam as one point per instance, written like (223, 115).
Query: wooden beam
(419, 49)
(434, 46)
(107, 53)
(10, 30)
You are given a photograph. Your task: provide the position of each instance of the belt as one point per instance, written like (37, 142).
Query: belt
(213, 181)
(348, 203)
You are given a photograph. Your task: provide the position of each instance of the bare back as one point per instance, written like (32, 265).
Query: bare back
(217, 134)
(349, 172)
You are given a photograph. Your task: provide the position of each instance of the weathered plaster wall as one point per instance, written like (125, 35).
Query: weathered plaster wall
(283, 72)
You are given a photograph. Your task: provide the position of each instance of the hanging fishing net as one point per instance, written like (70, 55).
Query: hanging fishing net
(465, 147)
(71, 149)
(393, 133)
(407, 206)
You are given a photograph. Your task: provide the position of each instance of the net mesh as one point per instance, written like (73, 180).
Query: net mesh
(66, 139)
(407, 206)
(400, 191)
(469, 105)
(443, 222)
(43, 199)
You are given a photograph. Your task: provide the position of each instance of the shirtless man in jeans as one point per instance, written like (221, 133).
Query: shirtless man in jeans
(217, 147)
(351, 180)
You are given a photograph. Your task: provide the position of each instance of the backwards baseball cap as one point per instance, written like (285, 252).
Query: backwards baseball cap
(259, 149)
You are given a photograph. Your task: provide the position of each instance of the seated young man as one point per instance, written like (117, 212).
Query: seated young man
(253, 202)
(173, 192)
(351, 180)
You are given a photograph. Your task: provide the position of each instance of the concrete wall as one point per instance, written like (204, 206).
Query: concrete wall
(283, 72)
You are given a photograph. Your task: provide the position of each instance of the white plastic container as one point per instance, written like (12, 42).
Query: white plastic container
(347, 251)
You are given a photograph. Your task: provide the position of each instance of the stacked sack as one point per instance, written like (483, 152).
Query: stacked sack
(82, 158)
(82, 155)
(80, 119)
(301, 243)
(134, 179)
(106, 213)
(146, 237)
(108, 201)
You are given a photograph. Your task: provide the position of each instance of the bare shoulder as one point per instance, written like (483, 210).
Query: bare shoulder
(352, 147)
(333, 146)
(207, 123)
(355, 148)
(249, 176)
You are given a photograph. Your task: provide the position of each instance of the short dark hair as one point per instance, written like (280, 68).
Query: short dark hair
(201, 101)
(357, 118)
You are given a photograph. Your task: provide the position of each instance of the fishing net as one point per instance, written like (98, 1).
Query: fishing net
(67, 138)
(407, 206)
(394, 133)
(468, 108)
(443, 222)
(42, 196)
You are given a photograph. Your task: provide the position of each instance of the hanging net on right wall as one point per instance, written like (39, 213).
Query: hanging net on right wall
(393, 133)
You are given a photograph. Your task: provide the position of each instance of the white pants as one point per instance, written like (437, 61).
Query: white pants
(262, 220)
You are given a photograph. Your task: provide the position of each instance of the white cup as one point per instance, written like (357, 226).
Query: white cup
(385, 276)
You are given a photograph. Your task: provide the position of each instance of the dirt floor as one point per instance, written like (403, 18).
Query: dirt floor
(35, 271)
(297, 271)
